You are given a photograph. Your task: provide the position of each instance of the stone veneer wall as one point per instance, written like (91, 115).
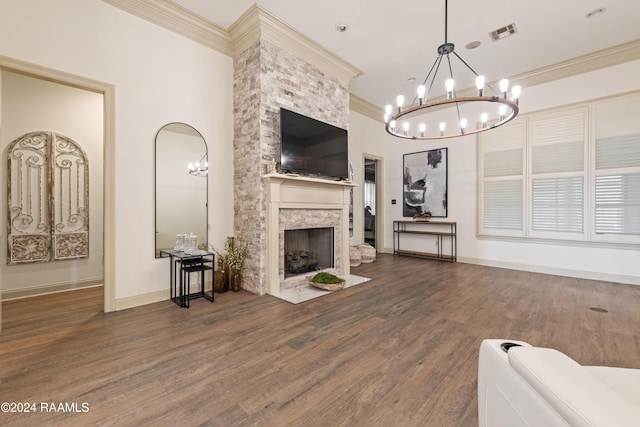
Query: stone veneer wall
(266, 78)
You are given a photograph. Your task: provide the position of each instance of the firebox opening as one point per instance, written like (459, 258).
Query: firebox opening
(308, 249)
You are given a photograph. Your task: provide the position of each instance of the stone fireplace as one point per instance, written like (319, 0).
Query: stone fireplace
(277, 67)
(299, 203)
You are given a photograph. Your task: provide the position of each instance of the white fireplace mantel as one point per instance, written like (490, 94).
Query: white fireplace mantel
(286, 191)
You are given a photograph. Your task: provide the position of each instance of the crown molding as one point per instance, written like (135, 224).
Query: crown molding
(366, 108)
(604, 58)
(257, 23)
(593, 61)
(173, 17)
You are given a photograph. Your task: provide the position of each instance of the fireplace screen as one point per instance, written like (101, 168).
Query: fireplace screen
(307, 250)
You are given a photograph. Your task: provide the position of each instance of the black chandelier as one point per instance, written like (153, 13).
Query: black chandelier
(503, 108)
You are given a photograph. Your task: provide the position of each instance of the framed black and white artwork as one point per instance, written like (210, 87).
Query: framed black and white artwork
(425, 183)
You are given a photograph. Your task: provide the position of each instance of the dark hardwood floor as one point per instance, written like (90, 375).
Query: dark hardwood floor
(399, 350)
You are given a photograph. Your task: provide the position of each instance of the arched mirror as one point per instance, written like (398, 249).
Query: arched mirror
(181, 185)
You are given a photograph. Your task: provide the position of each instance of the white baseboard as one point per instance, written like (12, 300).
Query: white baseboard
(11, 294)
(580, 274)
(566, 272)
(137, 300)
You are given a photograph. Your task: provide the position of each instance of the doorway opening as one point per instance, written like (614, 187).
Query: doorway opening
(61, 84)
(370, 198)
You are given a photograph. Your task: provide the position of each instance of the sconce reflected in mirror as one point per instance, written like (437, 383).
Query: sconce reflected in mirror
(181, 196)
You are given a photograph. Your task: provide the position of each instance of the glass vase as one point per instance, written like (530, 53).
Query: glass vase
(236, 281)
(219, 282)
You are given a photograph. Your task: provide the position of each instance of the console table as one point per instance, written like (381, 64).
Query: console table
(184, 264)
(441, 230)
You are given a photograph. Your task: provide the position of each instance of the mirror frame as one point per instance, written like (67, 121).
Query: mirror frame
(155, 182)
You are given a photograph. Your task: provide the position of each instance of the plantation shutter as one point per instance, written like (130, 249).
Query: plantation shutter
(502, 168)
(558, 171)
(617, 166)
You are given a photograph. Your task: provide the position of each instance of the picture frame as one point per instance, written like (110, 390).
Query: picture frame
(425, 183)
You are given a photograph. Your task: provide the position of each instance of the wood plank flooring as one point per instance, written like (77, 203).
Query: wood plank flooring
(399, 350)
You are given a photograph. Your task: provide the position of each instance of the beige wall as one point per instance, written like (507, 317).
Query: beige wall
(30, 105)
(159, 77)
(367, 137)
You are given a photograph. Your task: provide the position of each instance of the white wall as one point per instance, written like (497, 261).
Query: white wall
(159, 77)
(605, 262)
(364, 138)
(30, 105)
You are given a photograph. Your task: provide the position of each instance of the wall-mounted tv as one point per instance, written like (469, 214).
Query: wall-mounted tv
(312, 147)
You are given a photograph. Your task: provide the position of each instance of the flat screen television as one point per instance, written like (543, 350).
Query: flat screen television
(311, 147)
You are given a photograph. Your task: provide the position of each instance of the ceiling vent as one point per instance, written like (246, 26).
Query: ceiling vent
(503, 32)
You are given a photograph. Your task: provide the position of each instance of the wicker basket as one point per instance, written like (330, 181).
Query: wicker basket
(354, 256)
(367, 253)
(329, 286)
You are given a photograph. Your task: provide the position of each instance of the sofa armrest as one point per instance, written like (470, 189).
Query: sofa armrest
(577, 395)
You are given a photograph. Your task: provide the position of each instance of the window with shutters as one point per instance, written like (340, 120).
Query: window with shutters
(616, 180)
(502, 182)
(568, 174)
(557, 178)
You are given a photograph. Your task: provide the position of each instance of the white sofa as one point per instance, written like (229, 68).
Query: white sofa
(533, 386)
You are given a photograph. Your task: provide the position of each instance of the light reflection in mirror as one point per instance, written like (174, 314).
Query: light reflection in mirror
(181, 197)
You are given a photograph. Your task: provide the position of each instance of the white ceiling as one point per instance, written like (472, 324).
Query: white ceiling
(391, 41)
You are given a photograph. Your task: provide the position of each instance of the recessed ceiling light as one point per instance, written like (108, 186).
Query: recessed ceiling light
(595, 12)
(342, 27)
(472, 45)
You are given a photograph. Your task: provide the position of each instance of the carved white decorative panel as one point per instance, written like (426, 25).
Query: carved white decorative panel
(70, 200)
(48, 199)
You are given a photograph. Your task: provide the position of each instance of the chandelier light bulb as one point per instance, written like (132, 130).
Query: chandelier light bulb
(388, 109)
(442, 126)
(480, 85)
(400, 102)
(392, 125)
(423, 129)
(515, 93)
(483, 119)
(504, 87)
(463, 125)
(503, 112)
(449, 85)
(422, 90)
(405, 127)
(190, 166)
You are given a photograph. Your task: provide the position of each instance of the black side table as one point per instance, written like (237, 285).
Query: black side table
(181, 266)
